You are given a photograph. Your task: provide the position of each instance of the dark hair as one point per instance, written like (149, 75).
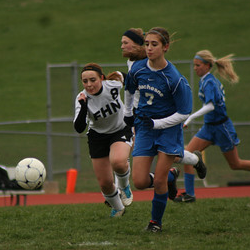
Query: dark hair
(162, 33)
(93, 67)
(96, 67)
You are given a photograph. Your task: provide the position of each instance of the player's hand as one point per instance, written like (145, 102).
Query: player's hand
(129, 120)
(82, 99)
(185, 126)
(147, 122)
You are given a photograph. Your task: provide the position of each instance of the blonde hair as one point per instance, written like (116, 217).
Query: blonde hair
(224, 65)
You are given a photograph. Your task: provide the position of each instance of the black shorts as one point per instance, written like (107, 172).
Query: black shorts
(99, 144)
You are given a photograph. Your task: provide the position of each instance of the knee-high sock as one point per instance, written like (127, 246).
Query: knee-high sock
(189, 158)
(114, 200)
(170, 176)
(123, 179)
(189, 183)
(159, 204)
(151, 175)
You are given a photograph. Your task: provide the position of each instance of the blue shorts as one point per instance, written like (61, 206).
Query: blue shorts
(148, 142)
(223, 135)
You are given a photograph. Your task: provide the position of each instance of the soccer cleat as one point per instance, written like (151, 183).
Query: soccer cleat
(153, 227)
(172, 187)
(200, 166)
(117, 213)
(184, 197)
(126, 196)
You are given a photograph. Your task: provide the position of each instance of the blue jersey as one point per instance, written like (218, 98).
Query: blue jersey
(211, 90)
(162, 92)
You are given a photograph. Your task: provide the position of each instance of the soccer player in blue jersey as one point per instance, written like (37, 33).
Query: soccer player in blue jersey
(218, 129)
(133, 48)
(165, 102)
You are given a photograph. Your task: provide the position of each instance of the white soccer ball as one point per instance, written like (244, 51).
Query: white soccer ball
(30, 173)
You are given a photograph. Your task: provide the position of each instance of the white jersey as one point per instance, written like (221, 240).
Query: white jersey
(137, 92)
(105, 111)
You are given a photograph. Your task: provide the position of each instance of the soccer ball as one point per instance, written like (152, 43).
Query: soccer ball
(30, 173)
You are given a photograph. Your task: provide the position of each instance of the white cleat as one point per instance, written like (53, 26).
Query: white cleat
(117, 213)
(126, 196)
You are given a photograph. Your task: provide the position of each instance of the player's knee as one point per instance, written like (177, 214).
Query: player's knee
(159, 183)
(139, 183)
(235, 165)
(119, 165)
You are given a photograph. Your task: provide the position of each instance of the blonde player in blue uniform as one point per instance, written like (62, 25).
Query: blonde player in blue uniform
(165, 102)
(218, 129)
(99, 105)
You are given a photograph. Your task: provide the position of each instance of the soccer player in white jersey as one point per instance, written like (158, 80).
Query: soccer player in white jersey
(109, 139)
(165, 102)
(218, 129)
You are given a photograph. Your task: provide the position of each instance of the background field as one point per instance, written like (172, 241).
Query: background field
(36, 32)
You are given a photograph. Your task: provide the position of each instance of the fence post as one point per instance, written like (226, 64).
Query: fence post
(48, 128)
(77, 145)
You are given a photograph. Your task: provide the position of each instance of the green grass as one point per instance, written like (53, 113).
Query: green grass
(207, 224)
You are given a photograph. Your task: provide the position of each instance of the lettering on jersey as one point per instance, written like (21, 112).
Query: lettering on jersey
(151, 88)
(114, 93)
(109, 109)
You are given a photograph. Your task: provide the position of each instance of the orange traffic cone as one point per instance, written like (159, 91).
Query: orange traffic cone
(71, 181)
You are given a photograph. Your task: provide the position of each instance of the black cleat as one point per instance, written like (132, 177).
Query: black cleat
(184, 197)
(172, 186)
(200, 166)
(107, 203)
(153, 227)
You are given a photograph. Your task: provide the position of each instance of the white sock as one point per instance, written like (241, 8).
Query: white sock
(189, 158)
(114, 200)
(123, 179)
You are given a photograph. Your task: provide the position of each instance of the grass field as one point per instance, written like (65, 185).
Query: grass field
(210, 224)
(36, 32)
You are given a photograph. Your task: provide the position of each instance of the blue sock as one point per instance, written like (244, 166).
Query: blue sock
(189, 183)
(170, 176)
(159, 204)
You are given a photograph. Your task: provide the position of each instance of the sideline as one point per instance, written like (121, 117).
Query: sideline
(147, 195)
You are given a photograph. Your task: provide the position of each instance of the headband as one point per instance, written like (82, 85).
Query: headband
(200, 58)
(93, 68)
(134, 37)
(157, 32)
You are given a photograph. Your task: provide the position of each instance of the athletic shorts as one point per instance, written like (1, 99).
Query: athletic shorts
(99, 144)
(148, 142)
(223, 135)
